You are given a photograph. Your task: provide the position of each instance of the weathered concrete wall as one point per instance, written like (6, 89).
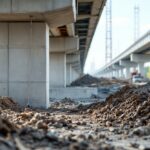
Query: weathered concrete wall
(72, 92)
(24, 65)
(57, 70)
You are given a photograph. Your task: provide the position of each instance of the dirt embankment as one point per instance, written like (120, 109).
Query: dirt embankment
(130, 106)
(122, 122)
(88, 80)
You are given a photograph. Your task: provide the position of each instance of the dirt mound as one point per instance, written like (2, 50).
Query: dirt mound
(88, 80)
(6, 127)
(8, 103)
(85, 80)
(129, 106)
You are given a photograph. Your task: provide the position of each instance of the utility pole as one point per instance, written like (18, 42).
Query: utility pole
(108, 54)
(136, 22)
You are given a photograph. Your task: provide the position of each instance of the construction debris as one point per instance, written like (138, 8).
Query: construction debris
(88, 80)
(85, 80)
(7, 102)
(122, 122)
(128, 107)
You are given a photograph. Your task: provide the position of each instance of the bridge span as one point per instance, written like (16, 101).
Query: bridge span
(133, 58)
(44, 45)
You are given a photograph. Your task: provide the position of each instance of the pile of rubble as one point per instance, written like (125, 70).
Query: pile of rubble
(85, 80)
(128, 107)
(8, 103)
(121, 122)
(88, 80)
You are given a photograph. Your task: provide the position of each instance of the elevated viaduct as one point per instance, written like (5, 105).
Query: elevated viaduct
(132, 58)
(44, 45)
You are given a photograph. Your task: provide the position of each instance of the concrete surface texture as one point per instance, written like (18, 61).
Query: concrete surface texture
(71, 74)
(68, 74)
(66, 44)
(57, 69)
(74, 75)
(54, 12)
(24, 48)
(73, 92)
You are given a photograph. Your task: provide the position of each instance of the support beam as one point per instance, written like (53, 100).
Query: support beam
(140, 58)
(54, 12)
(67, 45)
(73, 58)
(127, 63)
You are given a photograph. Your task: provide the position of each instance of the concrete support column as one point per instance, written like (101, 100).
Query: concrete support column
(24, 62)
(57, 69)
(127, 73)
(59, 48)
(111, 74)
(141, 69)
(117, 73)
(68, 74)
(140, 59)
(74, 75)
(114, 73)
(121, 73)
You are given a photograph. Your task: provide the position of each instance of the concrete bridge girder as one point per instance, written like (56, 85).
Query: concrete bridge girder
(73, 58)
(54, 12)
(140, 59)
(64, 44)
(127, 64)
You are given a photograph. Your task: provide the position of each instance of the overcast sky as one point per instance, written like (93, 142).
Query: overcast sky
(123, 31)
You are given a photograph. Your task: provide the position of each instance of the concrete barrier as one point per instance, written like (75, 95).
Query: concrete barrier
(72, 92)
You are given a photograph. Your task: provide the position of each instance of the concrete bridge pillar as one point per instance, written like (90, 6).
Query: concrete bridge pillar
(140, 59)
(73, 60)
(59, 48)
(127, 73)
(117, 73)
(127, 64)
(24, 63)
(69, 73)
(121, 73)
(141, 69)
(75, 75)
(72, 74)
(58, 69)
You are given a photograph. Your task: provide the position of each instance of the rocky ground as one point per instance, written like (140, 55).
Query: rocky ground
(122, 122)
